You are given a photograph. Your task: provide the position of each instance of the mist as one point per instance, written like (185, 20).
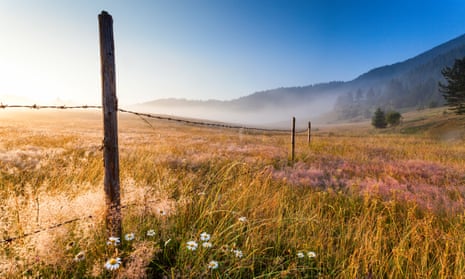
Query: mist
(266, 114)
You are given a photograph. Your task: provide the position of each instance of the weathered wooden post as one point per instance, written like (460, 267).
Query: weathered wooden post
(110, 126)
(309, 132)
(293, 140)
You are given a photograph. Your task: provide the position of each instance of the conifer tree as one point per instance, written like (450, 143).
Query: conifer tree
(454, 90)
(393, 118)
(379, 119)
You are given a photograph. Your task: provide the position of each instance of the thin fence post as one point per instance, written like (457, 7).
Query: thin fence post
(293, 140)
(309, 132)
(110, 126)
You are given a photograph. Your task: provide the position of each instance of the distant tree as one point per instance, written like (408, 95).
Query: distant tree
(359, 95)
(433, 104)
(371, 97)
(454, 90)
(393, 118)
(379, 119)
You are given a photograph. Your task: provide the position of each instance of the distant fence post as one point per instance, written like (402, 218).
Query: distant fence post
(309, 132)
(293, 140)
(110, 126)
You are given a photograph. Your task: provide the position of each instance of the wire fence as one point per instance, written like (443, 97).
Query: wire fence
(143, 116)
(54, 226)
(206, 123)
(11, 239)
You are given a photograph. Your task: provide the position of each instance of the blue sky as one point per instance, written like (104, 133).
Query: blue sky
(199, 49)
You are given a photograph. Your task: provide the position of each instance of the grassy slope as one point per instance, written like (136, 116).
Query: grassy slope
(438, 123)
(381, 203)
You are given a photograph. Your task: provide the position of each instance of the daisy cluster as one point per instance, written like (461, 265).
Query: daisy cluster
(113, 263)
(205, 243)
(205, 237)
(309, 254)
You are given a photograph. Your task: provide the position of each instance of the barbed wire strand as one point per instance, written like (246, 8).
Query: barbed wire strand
(159, 117)
(141, 115)
(57, 225)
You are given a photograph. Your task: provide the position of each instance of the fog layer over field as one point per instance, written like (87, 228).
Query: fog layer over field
(266, 115)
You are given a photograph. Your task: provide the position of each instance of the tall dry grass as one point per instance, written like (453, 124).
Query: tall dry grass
(354, 205)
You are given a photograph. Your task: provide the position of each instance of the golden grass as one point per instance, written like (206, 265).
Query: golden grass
(368, 204)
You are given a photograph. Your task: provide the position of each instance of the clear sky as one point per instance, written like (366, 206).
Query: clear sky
(210, 49)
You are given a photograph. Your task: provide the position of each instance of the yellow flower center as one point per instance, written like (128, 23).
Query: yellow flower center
(113, 261)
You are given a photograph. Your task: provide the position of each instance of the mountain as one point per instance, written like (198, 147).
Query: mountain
(446, 52)
(409, 84)
(406, 85)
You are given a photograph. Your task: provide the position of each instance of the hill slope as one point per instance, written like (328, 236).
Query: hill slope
(408, 84)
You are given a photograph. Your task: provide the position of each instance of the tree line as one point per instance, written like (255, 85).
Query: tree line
(453, 92)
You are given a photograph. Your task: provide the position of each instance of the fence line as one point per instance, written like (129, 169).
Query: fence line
(54, 226)
(143, 116)
(159, 117)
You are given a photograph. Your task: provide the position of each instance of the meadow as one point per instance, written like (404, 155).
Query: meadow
(203, 202)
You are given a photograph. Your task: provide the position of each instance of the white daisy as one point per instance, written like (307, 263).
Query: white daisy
(129, 236)
(150, 232)
(242, 219)
(205, 236)
(192, 245)
(238, 253)
(80, 256)
(300, 255)
(207, 245)
(311, 254)
(113, 264)
(113, 240)
(213, 265)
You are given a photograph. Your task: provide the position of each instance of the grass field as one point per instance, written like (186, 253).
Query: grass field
(216, 203)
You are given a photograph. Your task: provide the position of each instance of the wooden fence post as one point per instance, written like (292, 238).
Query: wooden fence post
(293, 140)
(309, 131)
(110, 126)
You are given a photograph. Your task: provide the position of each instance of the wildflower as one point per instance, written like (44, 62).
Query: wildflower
(192, 245)
(207, 245)
(242, 219)
(150, 232)
(80, 256)
(129, 236)
(300, 255)
(213, 265)
(113, 240)
(238, 253)
(205, 236)
(311, 254)
(168, 241)
(113, 264)
(70, 245)
(161, 212)
(224, 248)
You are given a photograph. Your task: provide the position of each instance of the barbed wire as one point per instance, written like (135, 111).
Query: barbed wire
(57, 225)
(54, 226)
(141, 115)
(35, 106)
(159, 117)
